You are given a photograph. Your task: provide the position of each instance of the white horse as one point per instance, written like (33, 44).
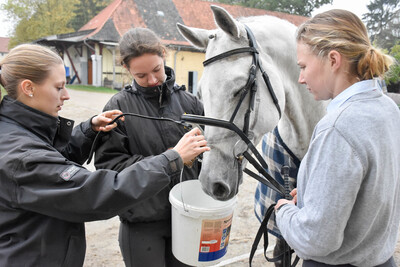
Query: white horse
(223, 79)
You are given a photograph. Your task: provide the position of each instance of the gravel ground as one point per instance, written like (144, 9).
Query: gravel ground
(102, 236)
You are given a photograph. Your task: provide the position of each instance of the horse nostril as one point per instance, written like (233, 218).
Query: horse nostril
(220, 190)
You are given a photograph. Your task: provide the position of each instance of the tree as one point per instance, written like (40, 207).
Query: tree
(296, 7)
(393, 75)
(383, 22)
(38, 18)
(85, 10)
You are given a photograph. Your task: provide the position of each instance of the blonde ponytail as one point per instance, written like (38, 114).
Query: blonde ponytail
(343, 31)
(374, 63)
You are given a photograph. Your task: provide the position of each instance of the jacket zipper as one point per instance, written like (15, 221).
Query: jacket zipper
(160, 97)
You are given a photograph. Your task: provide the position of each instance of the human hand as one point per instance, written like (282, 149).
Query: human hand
(282, 202)
(101, 121)
(191, 145)
(294, 195)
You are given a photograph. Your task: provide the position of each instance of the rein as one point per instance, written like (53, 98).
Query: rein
(96, 139)
(251, 87)
(267, 179)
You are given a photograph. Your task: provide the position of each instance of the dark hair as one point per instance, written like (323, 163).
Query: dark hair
(27, 61)
(139, 41)
(344, 32)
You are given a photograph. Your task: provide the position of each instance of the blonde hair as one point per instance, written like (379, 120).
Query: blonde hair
(27, 61)
(344, 32)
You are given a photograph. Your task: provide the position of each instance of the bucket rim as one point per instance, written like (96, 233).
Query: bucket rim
(231, 203)
(177, 202)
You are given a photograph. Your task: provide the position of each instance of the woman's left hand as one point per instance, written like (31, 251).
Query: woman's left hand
(101, 121)
(283, 201)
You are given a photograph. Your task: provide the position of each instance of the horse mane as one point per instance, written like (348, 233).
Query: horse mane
(276, 38)
(278, 41)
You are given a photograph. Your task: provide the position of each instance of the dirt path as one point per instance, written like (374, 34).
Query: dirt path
(102, 236)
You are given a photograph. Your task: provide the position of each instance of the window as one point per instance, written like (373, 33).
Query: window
(192, 82)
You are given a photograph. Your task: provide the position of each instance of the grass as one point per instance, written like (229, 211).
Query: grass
(90, 88)
(3, 92)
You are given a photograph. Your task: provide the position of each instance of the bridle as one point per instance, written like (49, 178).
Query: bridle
(249, 88)
(250, 85)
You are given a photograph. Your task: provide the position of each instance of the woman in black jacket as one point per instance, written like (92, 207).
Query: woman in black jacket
(45, 194)
(145, 230)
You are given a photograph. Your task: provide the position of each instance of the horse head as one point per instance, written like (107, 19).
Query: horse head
(222, 83)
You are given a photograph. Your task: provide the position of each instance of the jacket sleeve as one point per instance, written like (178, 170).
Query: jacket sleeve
(79, 143)
(112, 151)
(48, 184)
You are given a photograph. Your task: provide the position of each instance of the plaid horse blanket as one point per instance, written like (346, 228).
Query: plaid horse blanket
(276, 154)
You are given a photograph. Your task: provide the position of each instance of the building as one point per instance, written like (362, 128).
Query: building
(91, 53)
(4, 46)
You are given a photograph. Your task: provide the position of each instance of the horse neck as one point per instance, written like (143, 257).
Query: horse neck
(300, 111)
(299, 118)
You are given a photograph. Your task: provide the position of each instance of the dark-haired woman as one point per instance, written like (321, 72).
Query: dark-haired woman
(145, 231)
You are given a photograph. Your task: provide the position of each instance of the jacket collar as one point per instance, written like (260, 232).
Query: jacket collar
(161, 92)
(41, 124)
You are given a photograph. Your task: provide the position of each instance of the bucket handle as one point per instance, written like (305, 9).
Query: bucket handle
(180, 184)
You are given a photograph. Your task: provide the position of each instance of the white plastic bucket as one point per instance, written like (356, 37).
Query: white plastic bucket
(200, 224)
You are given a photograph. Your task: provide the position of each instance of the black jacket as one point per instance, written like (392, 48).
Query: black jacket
(45, 195)
(138, 138)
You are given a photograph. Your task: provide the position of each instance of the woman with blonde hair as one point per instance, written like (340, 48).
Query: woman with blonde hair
(45, 194)
(346, 208)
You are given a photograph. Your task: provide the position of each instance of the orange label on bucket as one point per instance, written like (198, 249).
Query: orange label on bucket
(214, 238)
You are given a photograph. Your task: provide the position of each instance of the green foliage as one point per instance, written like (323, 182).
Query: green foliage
(3, 92)
(383, 22)
(35, 19)
(85, 10)
(18, 9)
(296, 7)
(87, 88)
(91, 88)
(393, 75)
(38, 18)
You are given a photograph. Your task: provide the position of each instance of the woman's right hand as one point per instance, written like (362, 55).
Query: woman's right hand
(294, 195)
(101, 121)
(191, 145)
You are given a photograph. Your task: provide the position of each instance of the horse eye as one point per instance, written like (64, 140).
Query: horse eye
(212, 36)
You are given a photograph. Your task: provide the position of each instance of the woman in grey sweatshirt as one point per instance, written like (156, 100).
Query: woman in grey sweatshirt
(346, 208)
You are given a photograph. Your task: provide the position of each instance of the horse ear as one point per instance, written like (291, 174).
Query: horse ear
(198, 37)
(225, 21)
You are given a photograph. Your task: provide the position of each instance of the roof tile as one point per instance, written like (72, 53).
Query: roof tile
(161, 16)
